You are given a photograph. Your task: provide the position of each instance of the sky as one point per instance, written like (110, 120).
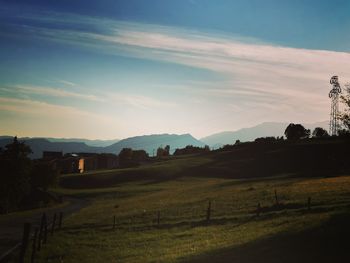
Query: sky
(121, 68)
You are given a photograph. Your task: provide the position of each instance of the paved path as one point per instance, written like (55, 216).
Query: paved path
(11, 225)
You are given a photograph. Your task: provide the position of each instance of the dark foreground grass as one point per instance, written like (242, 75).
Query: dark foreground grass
(285, 233)
(327, 242)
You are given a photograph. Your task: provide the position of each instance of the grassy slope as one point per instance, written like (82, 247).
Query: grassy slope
(183, 234)
(310, 158)
(180, 189)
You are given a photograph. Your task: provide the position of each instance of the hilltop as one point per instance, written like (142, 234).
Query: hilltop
(150, 143)
(250, 134)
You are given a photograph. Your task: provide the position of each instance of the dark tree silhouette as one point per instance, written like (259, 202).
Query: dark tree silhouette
(15, 167)
(16, 150)
(319, 132)
(43, 175)
(296, 132)
(267, 140)
(345, 116)
(167, 150)
(161, 152)
(190, 149)
(129, 157)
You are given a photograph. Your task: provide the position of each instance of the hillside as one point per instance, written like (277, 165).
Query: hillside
(275, 202)
(146, 142)
(250, 134)
(150, 143)
(313, 157)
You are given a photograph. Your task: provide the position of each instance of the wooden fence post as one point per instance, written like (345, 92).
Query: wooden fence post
(25, 239)
(209, 211)
(41, 229)
(53, 224)
(276, 198)
(258, 209)
(45, 229)
(60, 220)
(158, 218)
(34, 245)
(309, 203)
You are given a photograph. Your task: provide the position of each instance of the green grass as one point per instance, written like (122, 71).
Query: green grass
(28, 213)
(183, 233)
(235, 181)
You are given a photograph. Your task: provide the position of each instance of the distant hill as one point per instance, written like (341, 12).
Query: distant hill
(250, 134)
(94, 143)
(152, 142)
(146, 142)
(39, 145)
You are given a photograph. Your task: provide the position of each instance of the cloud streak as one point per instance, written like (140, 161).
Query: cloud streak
(55, 92)
(223, 54)
(261, 79)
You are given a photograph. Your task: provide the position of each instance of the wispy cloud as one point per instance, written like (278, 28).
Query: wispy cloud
(67, 83)
(139, 101)
(219, 53)
(259, 79)
(49, 91)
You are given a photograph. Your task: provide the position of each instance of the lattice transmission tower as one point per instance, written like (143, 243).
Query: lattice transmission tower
(334, 96)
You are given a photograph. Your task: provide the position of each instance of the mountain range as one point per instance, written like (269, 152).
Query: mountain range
(94, 143)
(150, 143)
(265, 129)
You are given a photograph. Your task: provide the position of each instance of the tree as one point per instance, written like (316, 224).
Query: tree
(319, 132)
(15, 167)
(130, 158)
(190, 149)
(16, 150)
(345, 116)
(167, 150)
(296, 132)
(43, 175)
(161, 152)
(266, 140)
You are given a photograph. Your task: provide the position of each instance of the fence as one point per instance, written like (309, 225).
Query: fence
(38, 237)
(160, 218)
(41, 232)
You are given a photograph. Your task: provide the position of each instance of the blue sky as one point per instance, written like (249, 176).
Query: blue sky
(114, 69)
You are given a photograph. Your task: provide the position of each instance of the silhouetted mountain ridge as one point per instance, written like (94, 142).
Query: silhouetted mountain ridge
(265, 129)
(145, 142)
(150, 143)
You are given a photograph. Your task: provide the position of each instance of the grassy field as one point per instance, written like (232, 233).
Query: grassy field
(287, 232)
